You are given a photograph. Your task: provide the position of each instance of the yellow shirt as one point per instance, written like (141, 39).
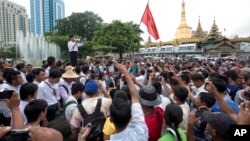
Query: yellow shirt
(109, 127)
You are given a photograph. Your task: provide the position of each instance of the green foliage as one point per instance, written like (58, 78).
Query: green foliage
(8, 52)
(82, 24)
(117, 37)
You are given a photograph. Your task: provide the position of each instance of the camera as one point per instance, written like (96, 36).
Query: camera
(206, 86)
(16, 135)
(6, 94)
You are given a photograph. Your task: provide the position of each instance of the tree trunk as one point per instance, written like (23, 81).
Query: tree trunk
(120, 55)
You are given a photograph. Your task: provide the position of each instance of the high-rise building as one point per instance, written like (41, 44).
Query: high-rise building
(44, 14)
(60, 11)
(13, 17)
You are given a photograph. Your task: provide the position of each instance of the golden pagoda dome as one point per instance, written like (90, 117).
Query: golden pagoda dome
(183, 31)
(199, 33)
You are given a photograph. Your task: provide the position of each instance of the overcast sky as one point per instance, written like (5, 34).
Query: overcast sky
(233, 15)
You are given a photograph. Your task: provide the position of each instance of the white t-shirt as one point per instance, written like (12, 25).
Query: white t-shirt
(71, 44)
(70, 108)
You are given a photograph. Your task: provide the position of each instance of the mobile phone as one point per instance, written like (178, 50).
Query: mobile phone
(6, 94)
(206, 86)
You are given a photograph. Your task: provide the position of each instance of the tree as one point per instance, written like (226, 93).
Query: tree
(81, 24)
(120, 37)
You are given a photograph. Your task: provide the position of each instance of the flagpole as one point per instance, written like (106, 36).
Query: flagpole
(144, 12)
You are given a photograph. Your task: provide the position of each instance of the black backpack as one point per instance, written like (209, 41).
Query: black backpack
(97, 119)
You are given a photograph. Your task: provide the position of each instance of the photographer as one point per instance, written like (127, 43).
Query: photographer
(197, 125)
(73, 46)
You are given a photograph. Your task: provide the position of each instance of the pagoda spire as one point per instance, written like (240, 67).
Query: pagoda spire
(183, 31)
(199, 33)
(149, 43)
(214, 34)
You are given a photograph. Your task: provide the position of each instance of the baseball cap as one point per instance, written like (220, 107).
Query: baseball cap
(91, 87)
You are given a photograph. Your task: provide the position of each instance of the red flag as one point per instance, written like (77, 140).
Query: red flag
(148, 20)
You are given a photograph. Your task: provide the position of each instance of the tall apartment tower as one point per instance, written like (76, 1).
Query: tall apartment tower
(13, 17)
(44, 14)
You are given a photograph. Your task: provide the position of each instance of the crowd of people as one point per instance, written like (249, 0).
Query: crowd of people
(124, 100)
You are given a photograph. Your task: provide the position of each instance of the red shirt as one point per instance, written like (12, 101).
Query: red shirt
(154, 122)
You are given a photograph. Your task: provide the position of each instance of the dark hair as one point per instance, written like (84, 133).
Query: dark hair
(85, 69)
(213, 75)
(207, 98)
(232, 74)
(28, 89)
(101, 74)
(51, 60)
(204, 73)
(59, 63)
(37, 71)
(142, 72)
(173, 116)
(6, 71)
(97, 62)
(197, 77)
(30, 78)
(157, 86)
(78, 69)
(29, 65)
(220, 84)
(247, 77)
(185, 78)
(76, 87)
(120, 112)
(20, 66)
(71, 36)
(177, 67)
(11, 76)
(63, 126)
(55, 73)
(121, 94)
(34, 109)
(126, 89)
(181, 93)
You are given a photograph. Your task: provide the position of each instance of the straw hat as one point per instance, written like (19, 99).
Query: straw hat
(70, 73)
(69, 67)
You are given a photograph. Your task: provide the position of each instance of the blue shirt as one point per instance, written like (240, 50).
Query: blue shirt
(229, 102)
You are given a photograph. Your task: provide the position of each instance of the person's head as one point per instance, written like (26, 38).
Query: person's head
(157, 86)
(198, 80)
(232, 76)
(14, 78)
(149, 97)
(39, 74)
(220, 85)
(247, 79)
(85, 69)
(97, 63)
(6, 71)
(36, 110)
(72, 37)
(91, 88)
(101, 76)
(51, 61)
(142, 72)
(77, 90)
(21, 67)
(204, 99)
(29, 68)
(176, 68)
(126, 89)
(54, 76)
(180, 94)
(218, 125)
(30, 78)
(173, 116)
(120, 113)
(185, 78)
(212, 75)
(28, 91)
(121, 94)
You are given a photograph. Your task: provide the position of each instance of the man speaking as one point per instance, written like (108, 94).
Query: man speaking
(73, 46)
